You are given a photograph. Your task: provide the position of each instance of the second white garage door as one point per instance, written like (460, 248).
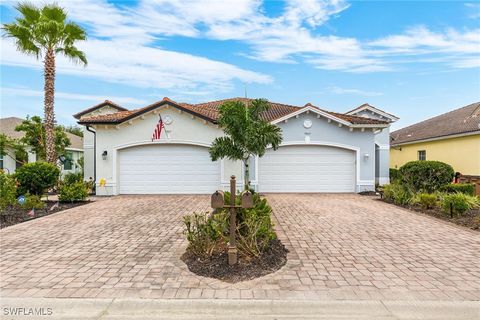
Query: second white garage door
(167, 169)
(307, 168)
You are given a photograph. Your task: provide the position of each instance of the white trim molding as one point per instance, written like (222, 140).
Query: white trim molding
(375, 110)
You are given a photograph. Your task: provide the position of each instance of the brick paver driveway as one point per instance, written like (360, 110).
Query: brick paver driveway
(341, 247)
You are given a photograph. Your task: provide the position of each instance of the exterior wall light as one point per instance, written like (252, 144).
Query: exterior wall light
(62, 158)
(104, 155)
(366, 156)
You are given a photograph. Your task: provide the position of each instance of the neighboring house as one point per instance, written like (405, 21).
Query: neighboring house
(453, 138)
(321, 151)
(9, 163)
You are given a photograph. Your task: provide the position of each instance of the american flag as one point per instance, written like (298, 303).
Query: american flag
(158, 129)
(31, 213)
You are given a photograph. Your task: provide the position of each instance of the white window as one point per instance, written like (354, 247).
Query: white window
(422, 155)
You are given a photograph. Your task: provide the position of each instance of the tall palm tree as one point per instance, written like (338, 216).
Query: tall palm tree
(247, 134)
(45, 32)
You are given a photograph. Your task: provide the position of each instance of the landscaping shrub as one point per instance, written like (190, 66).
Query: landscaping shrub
(71, 178)
(255, 228)
(395, 175)
(36, 177)
(206, 233)
(466, 188)
(459, 203)
(426, 176)
(77, 191)
(398, 194)
(33, 202)
(8, 191)
(427, 200)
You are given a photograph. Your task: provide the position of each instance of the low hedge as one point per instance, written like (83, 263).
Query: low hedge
(77, 191)
(36, 177)
(466, 188)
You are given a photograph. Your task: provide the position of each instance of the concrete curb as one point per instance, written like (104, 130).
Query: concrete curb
(109, 309)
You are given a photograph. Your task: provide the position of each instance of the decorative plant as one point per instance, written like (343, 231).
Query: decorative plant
(426, 176)
(247, 134)
(45, 32)
(8, 191)
(36, 177)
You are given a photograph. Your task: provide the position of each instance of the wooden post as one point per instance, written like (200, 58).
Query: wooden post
(232, 246)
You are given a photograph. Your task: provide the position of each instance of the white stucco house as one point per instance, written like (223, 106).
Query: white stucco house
(322, 151)
(9, 163)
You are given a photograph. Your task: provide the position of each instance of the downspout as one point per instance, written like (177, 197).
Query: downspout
(94, 154)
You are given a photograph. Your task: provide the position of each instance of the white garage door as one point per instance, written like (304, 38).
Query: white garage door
(166, 169)
(307, 169)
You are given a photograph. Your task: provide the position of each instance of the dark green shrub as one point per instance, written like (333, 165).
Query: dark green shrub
(32, 202)
(395, 175)
(77, 191)
(426, 176)
(466, 188)
(36, 177)
(398, 194)
(8, 191)
(206, 233)
(71, 178)
(427, 201)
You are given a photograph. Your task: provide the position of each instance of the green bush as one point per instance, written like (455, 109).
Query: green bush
(71, 178)
(398, 194)
(426, 176)
(77, 191)
(253, 234)
(36, 177)
(8, 191)
(32, 202)
(427, 200)
(395, 175)
(459, 203)
(466, 188)
(206, 233)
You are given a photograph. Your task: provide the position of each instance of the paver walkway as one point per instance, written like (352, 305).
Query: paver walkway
(344, 247)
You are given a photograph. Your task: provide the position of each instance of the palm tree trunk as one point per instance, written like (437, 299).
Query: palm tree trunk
(49, 113)
(246, 177)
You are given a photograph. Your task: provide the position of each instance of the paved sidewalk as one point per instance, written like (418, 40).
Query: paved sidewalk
(145, 309)
(342, 247)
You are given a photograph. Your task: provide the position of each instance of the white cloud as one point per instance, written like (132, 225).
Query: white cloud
(339, 90)
(120, 49)
(69, 96)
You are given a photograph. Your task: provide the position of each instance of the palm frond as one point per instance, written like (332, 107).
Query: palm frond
(22, 37)
(55, 13)
(30, 13)
(73, 32)
(225, 147)
(75, 55)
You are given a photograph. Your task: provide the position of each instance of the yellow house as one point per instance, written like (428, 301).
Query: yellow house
(453, 138)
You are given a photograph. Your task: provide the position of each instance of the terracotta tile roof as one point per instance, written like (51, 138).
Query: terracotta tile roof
(209, 112)
(463, 120)
(8, 125)
(98, 106)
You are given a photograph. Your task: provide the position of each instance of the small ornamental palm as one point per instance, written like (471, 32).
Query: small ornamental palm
(45, 32)
(246, 133)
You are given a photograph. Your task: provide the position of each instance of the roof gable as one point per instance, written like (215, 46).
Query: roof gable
(363, 109)
(106, 103)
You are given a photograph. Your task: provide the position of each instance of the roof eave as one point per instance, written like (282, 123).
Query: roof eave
(448, 136)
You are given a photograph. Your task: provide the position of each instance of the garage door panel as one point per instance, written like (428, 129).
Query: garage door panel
(307, 169)
(162, 169)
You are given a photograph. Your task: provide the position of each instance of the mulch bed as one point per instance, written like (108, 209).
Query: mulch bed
(217, 266)
(14, 214)
(470, 219)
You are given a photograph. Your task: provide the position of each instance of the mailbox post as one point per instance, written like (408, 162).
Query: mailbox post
(218, 201)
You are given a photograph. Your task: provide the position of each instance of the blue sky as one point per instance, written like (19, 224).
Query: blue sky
(413, 59)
